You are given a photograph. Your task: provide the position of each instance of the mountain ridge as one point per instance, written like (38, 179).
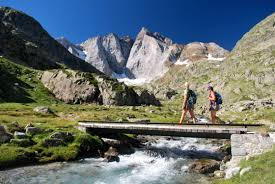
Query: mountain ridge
(147, 50)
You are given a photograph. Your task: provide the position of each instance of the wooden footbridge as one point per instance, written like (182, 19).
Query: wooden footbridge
(200, 130)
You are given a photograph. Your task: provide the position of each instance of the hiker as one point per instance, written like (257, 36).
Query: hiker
(189, 100)
(215, 101)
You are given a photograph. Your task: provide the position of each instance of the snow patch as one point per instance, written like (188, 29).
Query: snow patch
(210, 57)
(81, 54)
(129, 82)
(179, 62)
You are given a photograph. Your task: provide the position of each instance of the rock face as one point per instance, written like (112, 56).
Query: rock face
(148, 57)
(108, 54)
(70, 87)
(201, 51)
(77, 87)
(73, 49)
(25, 41)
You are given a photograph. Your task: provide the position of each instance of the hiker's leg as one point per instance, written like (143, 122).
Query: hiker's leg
(192, 114)
(212, 116)
(182, 116)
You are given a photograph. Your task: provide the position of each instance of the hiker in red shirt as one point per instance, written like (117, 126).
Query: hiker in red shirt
(214, 106)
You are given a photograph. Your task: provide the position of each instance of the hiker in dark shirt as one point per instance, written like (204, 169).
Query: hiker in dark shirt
(189, 100)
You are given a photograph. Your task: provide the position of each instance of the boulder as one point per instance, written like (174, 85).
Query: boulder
(20, 135)
(111, 155)
(121, 146)
(52, 142)
(64, 136)
(219, 174)
(43, 110)
(204, 166)
(71, 86)
(115, 93)
(4, 136)
(147, 98)
(33, 130)
(22, 142)
(79, 87)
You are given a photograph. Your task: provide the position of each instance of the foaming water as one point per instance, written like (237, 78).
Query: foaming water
(162, 160)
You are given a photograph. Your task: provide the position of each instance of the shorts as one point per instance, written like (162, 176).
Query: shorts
(189, 106)
(214, 107)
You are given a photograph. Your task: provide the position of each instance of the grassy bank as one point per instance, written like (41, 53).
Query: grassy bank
(64, 118)
(262, 172)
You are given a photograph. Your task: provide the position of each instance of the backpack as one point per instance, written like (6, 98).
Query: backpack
(218, 98)
(192, 97)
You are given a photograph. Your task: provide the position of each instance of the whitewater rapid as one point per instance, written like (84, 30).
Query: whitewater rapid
(162, 160)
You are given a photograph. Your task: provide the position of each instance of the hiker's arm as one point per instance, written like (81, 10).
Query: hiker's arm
(212, 96)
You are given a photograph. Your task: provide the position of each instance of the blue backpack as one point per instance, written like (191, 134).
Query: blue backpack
(218, 98)
(192, 97)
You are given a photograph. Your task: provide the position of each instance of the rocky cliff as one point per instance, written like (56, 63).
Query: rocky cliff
(80, 87)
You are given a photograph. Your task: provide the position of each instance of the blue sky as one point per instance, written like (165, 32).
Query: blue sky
(184, 21)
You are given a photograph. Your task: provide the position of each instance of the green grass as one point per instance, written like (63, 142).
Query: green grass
(263, 167)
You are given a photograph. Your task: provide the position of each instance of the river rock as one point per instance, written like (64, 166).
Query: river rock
(4, 136)
(219, 174)
(204, 166)
(64, 136)
(111, 155)
(20, 135)
(33, 130)
(123, 147)
(42, 110)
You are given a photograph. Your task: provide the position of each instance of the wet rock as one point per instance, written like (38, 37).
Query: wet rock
(43, 110)
(121, 146)
(33, 130)
(245, 170)
(111, 155)
(22, 142)
(204, 166)
(53, 142)
(20, 135)
(64, 136)
(4, 136)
